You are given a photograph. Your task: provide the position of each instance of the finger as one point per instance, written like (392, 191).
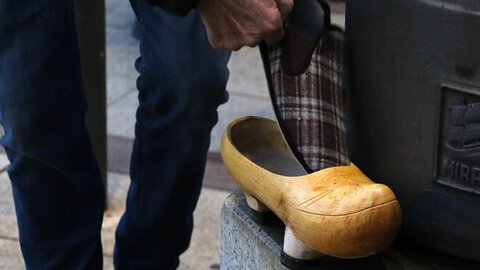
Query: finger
(236, 41)
(216, 40)
(253, 40)
(253, 45)
(285, 7)
(232, 43)
(235, 47)
(274, 37)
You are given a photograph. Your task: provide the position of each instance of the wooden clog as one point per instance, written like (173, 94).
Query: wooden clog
(337, 211)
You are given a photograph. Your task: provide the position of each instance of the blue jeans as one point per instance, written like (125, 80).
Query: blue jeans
(57, 189)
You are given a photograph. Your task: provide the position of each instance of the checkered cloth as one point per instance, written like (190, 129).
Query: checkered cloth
(310, 107)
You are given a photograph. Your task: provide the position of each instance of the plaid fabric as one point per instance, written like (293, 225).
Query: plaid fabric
(310, 107)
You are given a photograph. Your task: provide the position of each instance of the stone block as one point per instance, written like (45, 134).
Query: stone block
(245, 244)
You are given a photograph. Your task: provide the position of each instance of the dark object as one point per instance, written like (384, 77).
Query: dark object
(416, 108)
(305, 75)
(90, 21)
(296, 264)
(215, 266)
(303, 28)
(263, 217)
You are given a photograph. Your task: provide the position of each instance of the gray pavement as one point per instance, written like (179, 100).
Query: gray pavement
(203, 252)
(248, 96)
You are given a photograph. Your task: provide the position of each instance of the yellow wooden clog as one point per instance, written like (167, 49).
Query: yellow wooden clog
(337, 211)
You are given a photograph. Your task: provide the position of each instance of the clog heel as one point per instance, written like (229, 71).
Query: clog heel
(336, 211)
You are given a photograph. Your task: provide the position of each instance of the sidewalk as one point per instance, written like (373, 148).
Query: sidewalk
(203, 252)
(248, 96)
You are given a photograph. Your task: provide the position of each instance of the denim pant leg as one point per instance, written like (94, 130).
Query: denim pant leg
(57, 188)
(182, 82)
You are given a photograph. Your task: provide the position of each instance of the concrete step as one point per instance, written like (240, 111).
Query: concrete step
(245, 244)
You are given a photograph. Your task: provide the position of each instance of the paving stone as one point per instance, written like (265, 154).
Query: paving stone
(247, 77)
(3, 162)
(121, 73)
(108, 263)
(236, 107)
(119, 22)
(8, 220)
(205, 245)
(117, 192)
(216, 175)
(122, 50)
(204, 249)
(10, 255)
(121, 117)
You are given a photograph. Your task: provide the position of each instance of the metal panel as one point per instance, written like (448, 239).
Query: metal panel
(413, 63)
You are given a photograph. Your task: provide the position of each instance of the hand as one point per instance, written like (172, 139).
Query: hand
(284, 6)
(232, 24)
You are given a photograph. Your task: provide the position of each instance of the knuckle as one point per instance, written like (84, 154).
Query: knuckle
(272, 27)
(268, 30)
(285, 5)
(233, 45)
(236, 47)
(251, 43)
(273, 30)
(217, 46)
(216, 42)
(271, 18)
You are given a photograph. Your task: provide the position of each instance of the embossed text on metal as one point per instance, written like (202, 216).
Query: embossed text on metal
(459, 140)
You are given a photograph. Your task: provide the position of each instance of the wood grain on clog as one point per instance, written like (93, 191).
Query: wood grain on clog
(338, 211)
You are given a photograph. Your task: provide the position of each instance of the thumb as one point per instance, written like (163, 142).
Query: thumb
(284, 6)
